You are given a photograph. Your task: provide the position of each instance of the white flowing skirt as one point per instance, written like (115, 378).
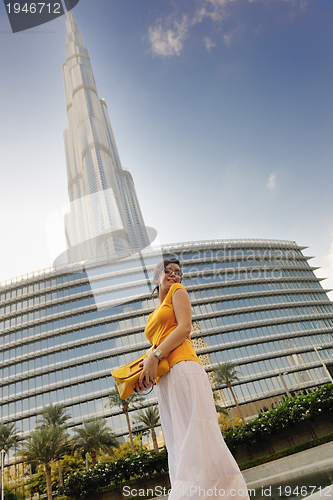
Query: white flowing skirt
(200, 463)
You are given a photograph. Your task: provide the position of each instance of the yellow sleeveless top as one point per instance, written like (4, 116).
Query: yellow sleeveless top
(162, 322)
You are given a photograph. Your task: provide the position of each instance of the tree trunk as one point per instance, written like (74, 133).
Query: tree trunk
(48, 482)
(129, 431)
(236, 403)
(153, 435)
(93, 458)
(23, 482)
(61, 479)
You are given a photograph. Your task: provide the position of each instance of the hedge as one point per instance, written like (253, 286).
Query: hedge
(143, 465)
(291, 411)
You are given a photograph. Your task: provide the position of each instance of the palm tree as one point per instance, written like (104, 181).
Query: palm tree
(55, 416)
(93, 436)
(9, 438)
(151, 419)
(124, 404)
(226, 373)
(43, 446)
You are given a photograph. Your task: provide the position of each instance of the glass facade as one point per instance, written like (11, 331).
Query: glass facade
(256, 303)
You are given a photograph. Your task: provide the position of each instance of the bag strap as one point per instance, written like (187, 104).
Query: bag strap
(145, 393)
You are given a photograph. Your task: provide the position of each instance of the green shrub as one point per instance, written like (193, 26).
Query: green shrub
(291, 411)
(11, 494)
(143, 465)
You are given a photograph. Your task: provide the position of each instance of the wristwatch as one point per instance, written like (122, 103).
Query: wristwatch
(157, 353)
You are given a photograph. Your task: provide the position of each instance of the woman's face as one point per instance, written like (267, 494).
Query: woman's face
(172, 274)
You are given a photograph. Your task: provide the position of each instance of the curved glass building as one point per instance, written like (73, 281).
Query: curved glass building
(256, 303)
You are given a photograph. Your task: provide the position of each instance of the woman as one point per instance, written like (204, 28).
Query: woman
(200, 464)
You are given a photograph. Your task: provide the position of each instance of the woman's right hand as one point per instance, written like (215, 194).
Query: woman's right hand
(148, 375)
(142, 388)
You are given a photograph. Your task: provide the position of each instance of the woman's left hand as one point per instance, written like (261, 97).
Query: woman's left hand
(148, 375)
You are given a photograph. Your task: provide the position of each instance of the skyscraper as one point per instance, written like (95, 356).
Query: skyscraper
(105, 216)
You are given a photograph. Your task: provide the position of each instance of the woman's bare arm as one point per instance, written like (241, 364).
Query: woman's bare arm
(182, 308)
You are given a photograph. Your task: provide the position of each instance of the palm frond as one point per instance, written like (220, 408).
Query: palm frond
(226, 373)
(150, 417)
(115, 399)
(53, 415)
(93, 436)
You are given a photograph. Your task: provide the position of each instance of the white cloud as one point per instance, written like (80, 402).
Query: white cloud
(227, 38)
(167, 36)
(209, 43)
(168, 42)
(271, 181)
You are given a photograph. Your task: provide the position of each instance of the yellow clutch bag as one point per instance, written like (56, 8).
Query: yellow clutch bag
(127, 376)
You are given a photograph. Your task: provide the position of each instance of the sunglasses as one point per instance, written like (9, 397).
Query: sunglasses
(167, 270)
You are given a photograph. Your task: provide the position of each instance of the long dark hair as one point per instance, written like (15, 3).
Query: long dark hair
(159, 269)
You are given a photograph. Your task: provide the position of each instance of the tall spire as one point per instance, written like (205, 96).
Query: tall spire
(105, 216)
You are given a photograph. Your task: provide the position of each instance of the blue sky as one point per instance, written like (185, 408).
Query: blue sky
(222, 110)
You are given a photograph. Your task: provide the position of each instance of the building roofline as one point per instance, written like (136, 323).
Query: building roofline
(229, 243)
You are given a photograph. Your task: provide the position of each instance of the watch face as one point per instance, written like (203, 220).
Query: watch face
(158, 353)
